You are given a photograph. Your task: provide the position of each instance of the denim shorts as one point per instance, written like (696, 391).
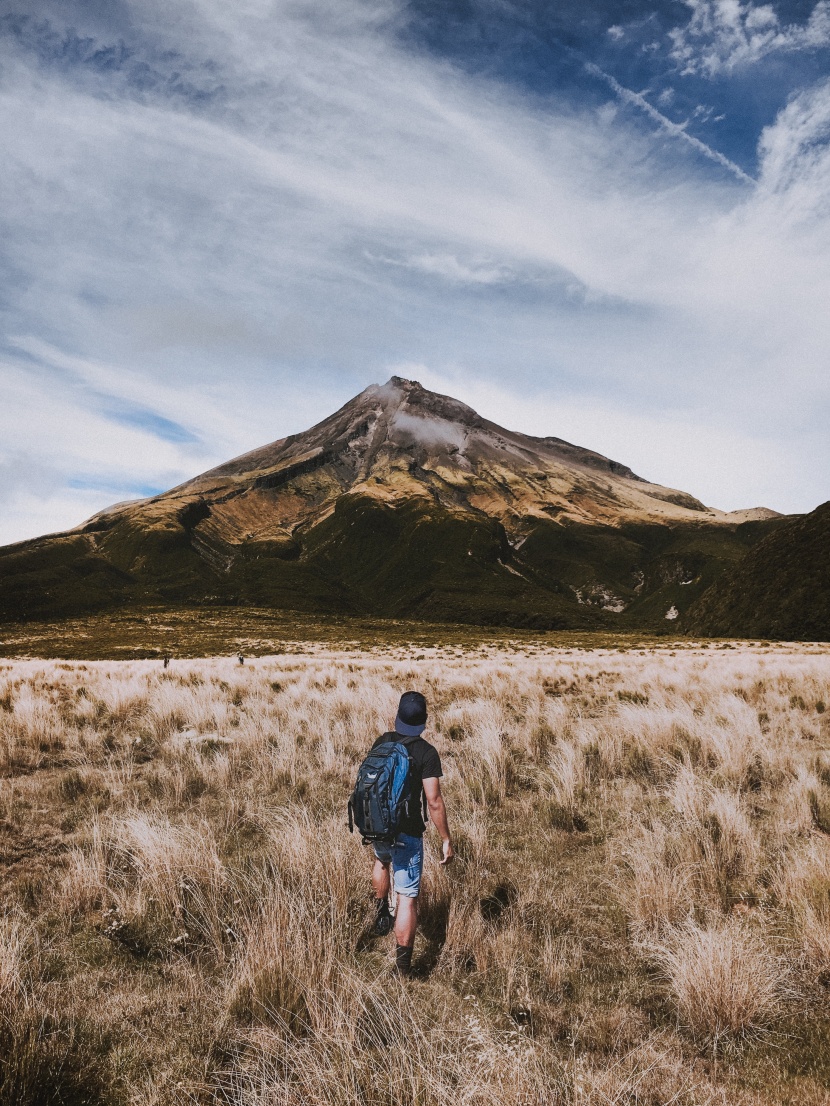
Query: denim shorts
(406, 855)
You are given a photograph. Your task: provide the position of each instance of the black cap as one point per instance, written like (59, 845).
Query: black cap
(412, 714)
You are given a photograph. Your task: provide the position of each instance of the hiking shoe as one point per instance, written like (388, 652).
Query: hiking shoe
(384, 920)
(403, 961)
(383, 925)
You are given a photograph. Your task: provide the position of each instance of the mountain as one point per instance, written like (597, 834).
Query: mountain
(403, 503)
(781, 589)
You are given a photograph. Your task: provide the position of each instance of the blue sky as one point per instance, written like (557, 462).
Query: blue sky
(604, 221)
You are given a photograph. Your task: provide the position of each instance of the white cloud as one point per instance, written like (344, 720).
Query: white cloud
(431, 432)
(76, 436)
(241, 264)
(450, 268)
(795, 150)
(55, 450)
(27, 515)
(724, 35)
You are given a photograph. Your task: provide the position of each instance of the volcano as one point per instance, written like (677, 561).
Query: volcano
(404, 503)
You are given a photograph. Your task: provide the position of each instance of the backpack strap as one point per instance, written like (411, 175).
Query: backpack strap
(424, 808)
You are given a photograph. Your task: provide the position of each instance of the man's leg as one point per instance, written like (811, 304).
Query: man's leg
(406, 925)
(406, 921)
(380, 879)
(407, 861)
(380, 885)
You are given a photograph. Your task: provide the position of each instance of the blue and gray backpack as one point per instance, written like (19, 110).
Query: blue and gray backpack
(383, 791)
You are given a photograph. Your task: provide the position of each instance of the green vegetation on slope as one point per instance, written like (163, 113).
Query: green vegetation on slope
(781, 589)
(415, 559)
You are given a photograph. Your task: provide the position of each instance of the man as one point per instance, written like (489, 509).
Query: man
(406, 854)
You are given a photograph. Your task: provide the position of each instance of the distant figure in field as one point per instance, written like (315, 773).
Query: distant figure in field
(398, 782)
(241, 659)
(166, 661)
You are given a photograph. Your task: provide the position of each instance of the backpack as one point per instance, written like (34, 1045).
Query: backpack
(382, 793)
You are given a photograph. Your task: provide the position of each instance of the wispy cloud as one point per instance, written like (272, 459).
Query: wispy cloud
(795, 150)
(725, 35)
(193, 267)
(62, 458)
(449, 267)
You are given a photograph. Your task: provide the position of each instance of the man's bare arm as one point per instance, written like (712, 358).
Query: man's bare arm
(438, 815)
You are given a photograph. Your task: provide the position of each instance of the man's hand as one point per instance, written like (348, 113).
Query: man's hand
(448, 852)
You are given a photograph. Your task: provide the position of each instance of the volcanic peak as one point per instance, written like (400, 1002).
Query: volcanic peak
(399, 442)
(402, 497)
(403, 418)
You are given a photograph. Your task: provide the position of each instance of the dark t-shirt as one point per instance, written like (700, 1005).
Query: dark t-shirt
(425, 764)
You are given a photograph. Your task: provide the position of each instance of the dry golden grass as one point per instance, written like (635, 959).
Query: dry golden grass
(725, 979)
(639, 912)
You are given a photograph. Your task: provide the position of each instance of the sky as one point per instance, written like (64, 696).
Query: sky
(608, 222)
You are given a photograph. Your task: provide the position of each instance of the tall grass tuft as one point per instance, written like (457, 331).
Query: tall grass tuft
(726, 982)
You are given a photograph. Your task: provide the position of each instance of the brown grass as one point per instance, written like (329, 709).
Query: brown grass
(724, 978)
(641, 886)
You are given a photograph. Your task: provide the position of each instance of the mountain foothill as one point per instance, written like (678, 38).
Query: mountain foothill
(407, 504)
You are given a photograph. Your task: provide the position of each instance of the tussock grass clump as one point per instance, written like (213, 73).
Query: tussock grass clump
(724, 979)
(16, 937)
(46, 1056)
(641, 880)
(657, 889)
(166, 883)
(381, 1050)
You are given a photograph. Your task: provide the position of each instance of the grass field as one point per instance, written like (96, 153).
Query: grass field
(182, 632)
(639, 912)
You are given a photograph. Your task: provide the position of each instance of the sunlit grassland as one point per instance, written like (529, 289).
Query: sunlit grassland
(639, 911)
(132, 633)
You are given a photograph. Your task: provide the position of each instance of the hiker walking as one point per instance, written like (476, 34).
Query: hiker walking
(398, 784)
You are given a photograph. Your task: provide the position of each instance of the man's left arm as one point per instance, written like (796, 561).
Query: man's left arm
(438, 815)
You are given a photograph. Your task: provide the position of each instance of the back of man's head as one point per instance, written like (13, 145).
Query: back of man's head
(411, 720)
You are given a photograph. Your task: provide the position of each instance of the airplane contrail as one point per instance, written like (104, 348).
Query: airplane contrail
(675, 129)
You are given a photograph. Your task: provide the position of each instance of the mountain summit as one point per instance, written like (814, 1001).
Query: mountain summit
(398, 441)
(403, 502)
